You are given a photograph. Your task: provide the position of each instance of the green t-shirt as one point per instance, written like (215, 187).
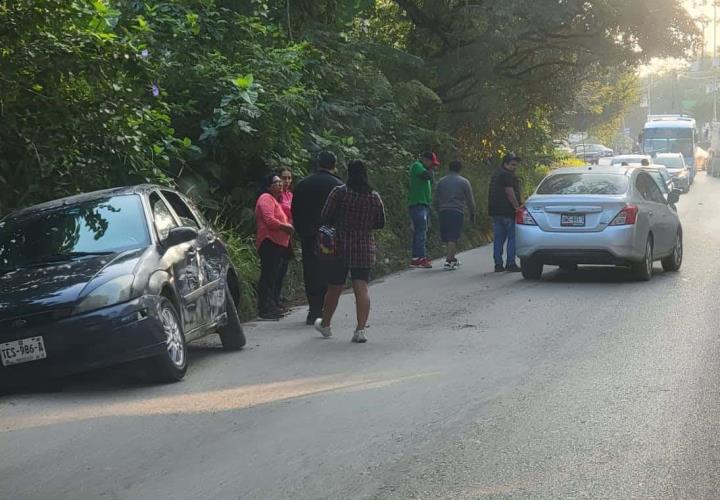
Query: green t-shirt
(420, 192)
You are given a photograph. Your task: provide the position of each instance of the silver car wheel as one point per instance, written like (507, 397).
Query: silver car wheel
(173, 337)
(678, 251)
(649, 257)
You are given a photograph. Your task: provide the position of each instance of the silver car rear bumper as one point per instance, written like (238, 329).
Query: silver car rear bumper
(615, 245)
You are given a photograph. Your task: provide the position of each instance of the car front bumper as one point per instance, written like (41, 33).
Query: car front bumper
(97, 339)
(615, 245)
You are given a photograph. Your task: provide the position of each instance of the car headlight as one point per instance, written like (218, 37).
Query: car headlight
(113, 292)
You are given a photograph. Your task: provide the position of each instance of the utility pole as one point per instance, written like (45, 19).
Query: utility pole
(714, 61)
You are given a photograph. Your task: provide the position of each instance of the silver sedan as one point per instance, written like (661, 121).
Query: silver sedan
(599, 216)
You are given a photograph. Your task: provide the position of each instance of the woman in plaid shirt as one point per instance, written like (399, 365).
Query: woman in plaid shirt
(355, 210)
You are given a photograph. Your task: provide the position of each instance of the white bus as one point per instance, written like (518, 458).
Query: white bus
(670, 134)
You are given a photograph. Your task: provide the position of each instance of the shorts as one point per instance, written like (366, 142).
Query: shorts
(451, 224)
(336, 273)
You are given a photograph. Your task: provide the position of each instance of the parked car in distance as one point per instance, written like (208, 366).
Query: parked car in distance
(591, 153)
(678, 169)
(599, 216)
(631, 159)
(112, 276)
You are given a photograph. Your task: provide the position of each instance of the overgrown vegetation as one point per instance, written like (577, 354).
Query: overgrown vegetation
(210, 94)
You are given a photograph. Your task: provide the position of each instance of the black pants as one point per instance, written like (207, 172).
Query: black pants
(315, 281)
(272, 256)
(281, 279)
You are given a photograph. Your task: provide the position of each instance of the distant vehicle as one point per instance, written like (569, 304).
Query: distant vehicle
(591, 153)
(112, 276)
(632, 159)
(675, 164)
(563, 147)
(600, 216)
(671, 134)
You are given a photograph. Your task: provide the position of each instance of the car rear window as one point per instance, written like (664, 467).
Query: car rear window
(584, 183)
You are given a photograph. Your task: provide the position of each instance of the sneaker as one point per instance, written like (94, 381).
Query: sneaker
(415, 263)
(359, 337)
(325, 331)
(512, 268)
(425, 263)
(310, 320)
(457, 263)
(448, 265)
(499, 268)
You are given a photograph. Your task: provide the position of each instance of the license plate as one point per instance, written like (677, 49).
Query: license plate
(572, 220)
(22, 351)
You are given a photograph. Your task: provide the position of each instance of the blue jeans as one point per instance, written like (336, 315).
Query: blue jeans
(420, 216)
(504, 230)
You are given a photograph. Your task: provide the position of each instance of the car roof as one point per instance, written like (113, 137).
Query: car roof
(591, 169)
(631, 157)
(84, 197)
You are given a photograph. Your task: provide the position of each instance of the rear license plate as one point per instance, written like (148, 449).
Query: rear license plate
(22, 351)
(572, 220)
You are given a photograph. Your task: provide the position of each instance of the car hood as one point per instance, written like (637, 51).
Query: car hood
(59, 285)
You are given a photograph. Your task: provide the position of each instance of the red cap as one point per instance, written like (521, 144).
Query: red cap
(435, 160)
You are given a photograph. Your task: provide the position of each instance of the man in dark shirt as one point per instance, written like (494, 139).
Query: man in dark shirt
(308, 201)
(503, 201)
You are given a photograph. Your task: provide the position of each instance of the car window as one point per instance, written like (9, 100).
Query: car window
(584, 183)
(660, 180)
(648, 188)
(186, 215)
(164, 220)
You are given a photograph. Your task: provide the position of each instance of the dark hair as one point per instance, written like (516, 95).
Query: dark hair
(427, 155)
(455, 166)
(265, 183)
(358, 177)
(327, 160)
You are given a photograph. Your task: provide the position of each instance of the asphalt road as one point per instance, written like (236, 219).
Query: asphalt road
(473, 385)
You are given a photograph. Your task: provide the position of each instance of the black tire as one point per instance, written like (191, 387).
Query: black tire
(531, 270)
(643, 269)
(170, 366)
(672, 262)
(232, 335)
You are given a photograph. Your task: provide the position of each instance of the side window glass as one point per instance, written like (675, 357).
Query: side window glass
(642, 186)
(187, 218)
(656, 194)
(162, 216)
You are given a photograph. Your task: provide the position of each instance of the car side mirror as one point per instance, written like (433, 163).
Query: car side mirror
(674, 196)
(178, 235)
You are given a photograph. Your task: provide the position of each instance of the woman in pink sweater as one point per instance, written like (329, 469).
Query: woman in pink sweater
(286, 197)
(274, 232)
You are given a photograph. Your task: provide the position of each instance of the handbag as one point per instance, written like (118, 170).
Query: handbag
(326, 245)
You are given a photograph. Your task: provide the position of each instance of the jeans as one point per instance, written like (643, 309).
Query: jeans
(271, 259)
(504, 230)
(314, 278)
(420, 216)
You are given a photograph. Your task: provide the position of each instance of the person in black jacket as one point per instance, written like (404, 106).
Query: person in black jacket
(308, 201)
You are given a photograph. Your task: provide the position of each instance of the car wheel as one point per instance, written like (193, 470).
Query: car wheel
(172, 364)
(673, 261)
(231, 334)
(531, 270)
(643, 269)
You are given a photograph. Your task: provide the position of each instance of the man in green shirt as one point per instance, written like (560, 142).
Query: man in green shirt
(422, 173)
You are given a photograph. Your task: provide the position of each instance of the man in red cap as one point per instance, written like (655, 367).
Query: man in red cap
(422, 173)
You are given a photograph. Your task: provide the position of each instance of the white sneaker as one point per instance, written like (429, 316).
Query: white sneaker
(325, 331)
(359, 337)
(448, 265)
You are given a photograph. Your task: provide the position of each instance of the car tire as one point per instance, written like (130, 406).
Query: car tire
(170, 366)
(232, 335)
(531, 269)
(643, 269)
(672, 262)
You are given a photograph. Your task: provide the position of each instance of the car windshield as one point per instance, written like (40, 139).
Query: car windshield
(584, 183)
(670, 161)
(99, 226)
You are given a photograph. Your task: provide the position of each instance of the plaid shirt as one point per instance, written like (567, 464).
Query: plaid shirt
(354, 216)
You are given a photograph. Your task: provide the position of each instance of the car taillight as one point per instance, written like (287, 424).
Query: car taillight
(626, 217)
(523, 217)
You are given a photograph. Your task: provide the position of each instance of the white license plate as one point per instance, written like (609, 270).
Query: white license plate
(572, 220)
(22, 351)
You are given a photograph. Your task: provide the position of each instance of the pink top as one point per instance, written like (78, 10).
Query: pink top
(286, 198)
(269, 217)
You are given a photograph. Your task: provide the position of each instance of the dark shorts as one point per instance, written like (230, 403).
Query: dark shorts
(451, 224)
(336, 273)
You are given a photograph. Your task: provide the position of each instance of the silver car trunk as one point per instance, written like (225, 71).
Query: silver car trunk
(575, 213)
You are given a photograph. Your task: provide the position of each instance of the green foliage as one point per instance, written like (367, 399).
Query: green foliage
(211, 94)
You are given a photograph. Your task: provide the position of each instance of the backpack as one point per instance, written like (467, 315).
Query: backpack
(326, 244)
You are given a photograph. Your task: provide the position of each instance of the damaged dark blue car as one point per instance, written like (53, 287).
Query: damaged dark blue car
(109, 277)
